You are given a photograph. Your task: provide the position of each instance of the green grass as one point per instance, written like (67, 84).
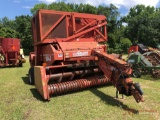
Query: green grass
(19, 100)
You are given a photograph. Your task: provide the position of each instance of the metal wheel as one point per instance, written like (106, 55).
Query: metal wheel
(136, 74)
(31, 75)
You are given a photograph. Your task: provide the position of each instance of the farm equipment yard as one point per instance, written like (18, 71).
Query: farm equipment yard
(79, 60)
(19, 100)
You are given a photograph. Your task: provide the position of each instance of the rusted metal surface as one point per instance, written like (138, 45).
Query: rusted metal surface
(118, 72)
(55, 26)
(10, 52)
(74, 74)
(10, 44)
(75, 85)
(32, 58)
(154, 58)
(44, 80)
(68, 55)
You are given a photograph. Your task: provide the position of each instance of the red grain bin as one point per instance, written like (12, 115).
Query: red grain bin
(10, 54)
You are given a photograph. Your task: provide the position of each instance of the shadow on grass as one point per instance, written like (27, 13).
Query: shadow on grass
(25, 80)
(11, 66)
(37, 95)
(106, 98)
(113, 102)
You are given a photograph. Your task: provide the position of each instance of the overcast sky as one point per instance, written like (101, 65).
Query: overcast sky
(12, 8)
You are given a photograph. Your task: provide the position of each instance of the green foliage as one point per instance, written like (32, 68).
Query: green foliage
(23, 27)
(7, 23)
(125, 44)
(60, 6)
(143, 25)
(111, 12)
(7, 28)
(37, 7)
(121, 47)
(7, 32)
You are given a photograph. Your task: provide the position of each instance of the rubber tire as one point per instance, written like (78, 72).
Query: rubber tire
(136, 73)
(138, 87)
(20, 64)
(31, 75)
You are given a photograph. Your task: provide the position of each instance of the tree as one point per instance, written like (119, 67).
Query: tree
(37, 7)
(7, 28)
(7, 32)
(125, 44)
(113, 26)
(23, 27)
(7, 23)
(143, 25)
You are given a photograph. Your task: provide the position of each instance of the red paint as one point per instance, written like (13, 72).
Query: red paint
(68, 43)
(133, 49)
(10, 51)
(10, 44)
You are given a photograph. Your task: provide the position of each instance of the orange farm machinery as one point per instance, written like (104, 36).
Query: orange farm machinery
(68, 57)
(10, 52)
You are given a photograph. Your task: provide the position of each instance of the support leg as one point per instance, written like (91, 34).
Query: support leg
(116, 93)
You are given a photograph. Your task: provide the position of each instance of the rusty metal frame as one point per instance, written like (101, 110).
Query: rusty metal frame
(73, 15)
(43, 37)
(62, 70)
(83, 32)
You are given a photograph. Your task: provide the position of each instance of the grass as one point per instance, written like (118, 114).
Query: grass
(21, 101)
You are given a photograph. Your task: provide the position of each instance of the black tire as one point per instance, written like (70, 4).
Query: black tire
(20, 64)
(31, 75)
(138, 87)
(136, 73)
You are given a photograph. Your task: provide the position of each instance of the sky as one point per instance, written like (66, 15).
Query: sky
(12, 8)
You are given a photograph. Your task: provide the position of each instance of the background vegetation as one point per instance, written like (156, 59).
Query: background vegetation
(19, 100)
(141, 25)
